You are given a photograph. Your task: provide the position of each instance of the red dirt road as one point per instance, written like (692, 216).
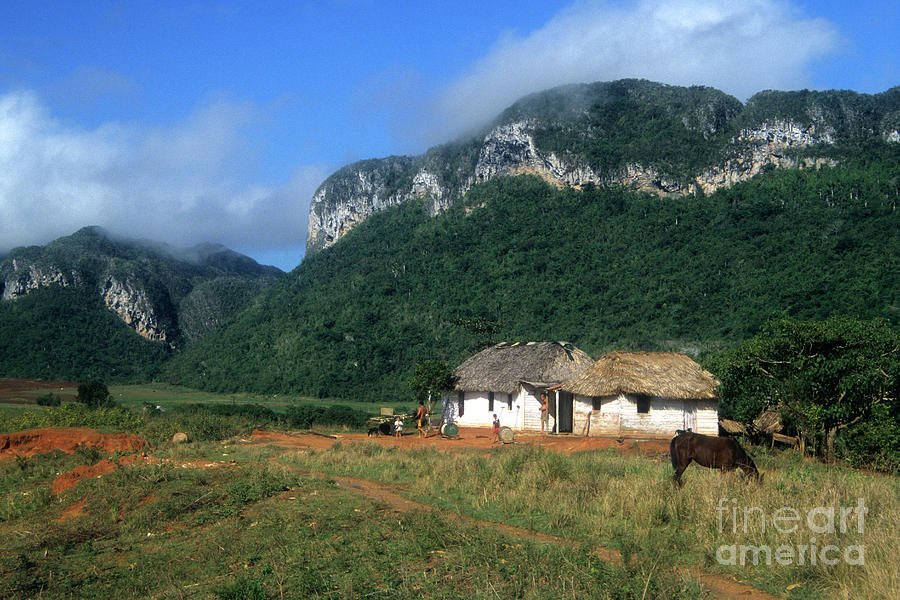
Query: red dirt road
(469, 437)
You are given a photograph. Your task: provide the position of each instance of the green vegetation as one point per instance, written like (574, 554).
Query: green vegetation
(602, 268)
(247, 531)
(629, 503)
(95, 394)
(823, 377)
(68, 333)
(678, 131)
(48, 400)
(74, 414)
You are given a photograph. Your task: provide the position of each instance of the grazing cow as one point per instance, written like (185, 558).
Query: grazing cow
(709, 451)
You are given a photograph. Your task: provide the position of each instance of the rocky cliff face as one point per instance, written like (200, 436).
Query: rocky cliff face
(769, 132)
(131, 303)
(141, 283)
(25, 277)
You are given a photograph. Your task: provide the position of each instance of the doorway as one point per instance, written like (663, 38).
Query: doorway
(565, 414)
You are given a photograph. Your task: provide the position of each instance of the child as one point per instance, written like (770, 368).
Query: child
(496, 429)
(398, 427)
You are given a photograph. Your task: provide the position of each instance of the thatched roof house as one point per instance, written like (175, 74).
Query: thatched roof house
(653, 393)
(504, 366)
(507, 378)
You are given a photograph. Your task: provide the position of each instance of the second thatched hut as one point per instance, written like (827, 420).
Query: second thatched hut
(507, 379)
(650, 394)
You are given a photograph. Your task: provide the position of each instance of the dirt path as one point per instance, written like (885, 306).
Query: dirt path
(718, 586)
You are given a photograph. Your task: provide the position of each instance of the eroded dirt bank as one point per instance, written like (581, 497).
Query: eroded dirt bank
(66, 439)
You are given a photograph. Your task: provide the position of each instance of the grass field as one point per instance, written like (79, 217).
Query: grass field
(19, 395)
(225, 519)
(242, 521)
(169, 395)
(628, 503)
(247, 530)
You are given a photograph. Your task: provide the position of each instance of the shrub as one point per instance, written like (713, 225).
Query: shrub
(74, 415)
(48, 400)
(304, 416)
(95, 395)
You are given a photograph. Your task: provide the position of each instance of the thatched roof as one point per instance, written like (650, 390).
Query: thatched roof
(768, 422)
(503, 366)
(662, 374)
(732, 427)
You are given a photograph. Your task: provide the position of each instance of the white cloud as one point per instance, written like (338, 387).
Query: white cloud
(182, 184)
(739, 47)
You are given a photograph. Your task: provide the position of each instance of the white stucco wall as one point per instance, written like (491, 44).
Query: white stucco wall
(478, 414)
(618, 415)
(525, 414)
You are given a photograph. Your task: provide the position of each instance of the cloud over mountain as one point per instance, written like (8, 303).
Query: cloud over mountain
(738, 47)
(184, 183)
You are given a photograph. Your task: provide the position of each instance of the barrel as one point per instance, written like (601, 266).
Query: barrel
(506, 435)
(449, 430)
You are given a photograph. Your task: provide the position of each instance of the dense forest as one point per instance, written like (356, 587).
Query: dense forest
(64, 330)
(69, 334)
(604, 268)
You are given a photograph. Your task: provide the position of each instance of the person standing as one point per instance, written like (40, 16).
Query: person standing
(398, 427)
(421, 416)
(545, 412)
(496, 429)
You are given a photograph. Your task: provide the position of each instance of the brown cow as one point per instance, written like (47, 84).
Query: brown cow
(709, 451)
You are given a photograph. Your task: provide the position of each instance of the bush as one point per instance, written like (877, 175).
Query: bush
(95, 395)
(74, 415)
(48, 400)
(304, 416)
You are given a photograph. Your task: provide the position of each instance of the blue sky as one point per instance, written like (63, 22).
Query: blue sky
(215, 121)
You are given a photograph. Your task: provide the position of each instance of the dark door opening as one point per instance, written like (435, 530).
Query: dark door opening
(564, 418)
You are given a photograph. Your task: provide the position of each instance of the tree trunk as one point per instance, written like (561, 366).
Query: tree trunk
(830, 437)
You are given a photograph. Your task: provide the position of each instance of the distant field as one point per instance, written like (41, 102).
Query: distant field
(19, 394)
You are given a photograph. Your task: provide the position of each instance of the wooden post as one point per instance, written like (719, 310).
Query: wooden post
(556, 418)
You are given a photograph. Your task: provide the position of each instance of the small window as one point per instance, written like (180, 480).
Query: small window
(509, 401)
(643, 404)
(461, 403)
(490, 401)
(597, 403)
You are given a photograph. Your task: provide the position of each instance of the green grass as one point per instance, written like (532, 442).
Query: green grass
(167, 396)
(629, 503)
(251, 531)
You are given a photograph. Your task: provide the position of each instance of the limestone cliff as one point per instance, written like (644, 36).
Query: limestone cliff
(143, 283)
(25, 277)
(650, 137)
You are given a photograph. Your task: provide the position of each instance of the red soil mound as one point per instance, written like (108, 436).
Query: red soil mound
(67, 481)
(67, 439)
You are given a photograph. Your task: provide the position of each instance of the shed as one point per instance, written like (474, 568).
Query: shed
(644, 394)
(508, 378)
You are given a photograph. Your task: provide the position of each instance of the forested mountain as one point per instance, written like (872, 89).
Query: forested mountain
(602, 267)
(93, 305)
(647, 136)
(627, 215)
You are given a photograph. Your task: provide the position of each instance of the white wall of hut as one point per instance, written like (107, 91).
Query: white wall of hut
(618, 415)
(524, 415)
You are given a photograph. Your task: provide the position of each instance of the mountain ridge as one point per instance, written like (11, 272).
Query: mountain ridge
(143, 282)
(668, 140)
